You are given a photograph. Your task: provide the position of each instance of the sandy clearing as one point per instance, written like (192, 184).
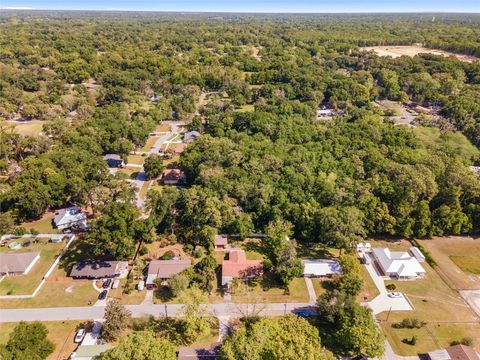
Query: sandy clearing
(412, 50)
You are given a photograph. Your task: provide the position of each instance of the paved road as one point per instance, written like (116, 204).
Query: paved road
(97, 312)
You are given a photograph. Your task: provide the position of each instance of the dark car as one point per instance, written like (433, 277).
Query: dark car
(103, 295)
(305, 313)
(106, 283)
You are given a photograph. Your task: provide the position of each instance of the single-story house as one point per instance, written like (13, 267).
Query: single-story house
(98, 269)
(325, 113)
(72, 216)
(220, 242)
(364, 247)
(321, 268)
(173, 176)
(398, 264)
(191, 136)
(164, 269)
(18, 263)
(179, 148)
(237, 266)
(188, 353)
(456, 352)
(57, 238)
(114, 160)
(88, 352)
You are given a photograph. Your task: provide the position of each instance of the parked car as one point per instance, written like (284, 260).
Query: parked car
(141, 285)
(395, 295)
(73, 355)
(305, 313)
(116, 284)
(106, 283)
(79, 335)
(103, 295)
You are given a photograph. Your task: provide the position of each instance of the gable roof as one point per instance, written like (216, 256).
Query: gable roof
(321, 267)
(112, 157)
(462, 352)
(98, 269)
(190, 136)
(237, 265)
(172, 174)
(17, 262)
(165, 269)
(69, 215)
(220, 240)
(399, 262)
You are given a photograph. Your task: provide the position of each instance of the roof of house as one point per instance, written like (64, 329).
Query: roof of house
(98, 269)
(172, 174)
(191, 136)
(188, 353)
(321, 267)
(441, 354)
(69, 215)
(220, 240)
(417, 253)
(112, 157)
(399, 262)
(165, 269)
(237, 264)
(179, 148)
(462, 352)
(90, 351)
(14, 262)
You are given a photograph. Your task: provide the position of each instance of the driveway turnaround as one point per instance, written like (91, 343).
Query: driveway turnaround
(383, 302)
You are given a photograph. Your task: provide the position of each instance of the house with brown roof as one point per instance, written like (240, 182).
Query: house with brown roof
(165, 269)
(456, 352)
(220, 242)
(173, 176)
(99, 269)
(237, 266)
(18, 263)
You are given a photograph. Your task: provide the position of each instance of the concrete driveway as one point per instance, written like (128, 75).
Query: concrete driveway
(383, 302)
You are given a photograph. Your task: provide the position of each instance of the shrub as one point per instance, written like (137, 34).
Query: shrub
(428, 256)
(409, 324)
(34, 232)
(391, 287)
(167, 256)
(467, 341)
(143, 250)
(188, 248)
(412, 341)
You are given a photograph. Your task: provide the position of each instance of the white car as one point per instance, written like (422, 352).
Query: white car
(80, 335)
(116, 284)
(73, 355)
(141, 285)
(395, 295)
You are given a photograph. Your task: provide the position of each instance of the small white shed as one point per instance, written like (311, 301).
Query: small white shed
(417, 254)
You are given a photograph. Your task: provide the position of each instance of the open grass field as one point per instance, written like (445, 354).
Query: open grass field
(458, 259)
(26, 284)
(57, 292)
(412, 50)
(246, 108)
(61, 333)
(43, 225)
(264, 291)
(28, 128)
(369, 291)
(134, 298)
(163, 128)
(135, 159)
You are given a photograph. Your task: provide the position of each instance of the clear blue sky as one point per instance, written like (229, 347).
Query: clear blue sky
(253, 5)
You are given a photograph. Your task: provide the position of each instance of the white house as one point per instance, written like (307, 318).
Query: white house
(72, 216)
(398, 264)
(364, 247)
(417, 253)
(321, 268)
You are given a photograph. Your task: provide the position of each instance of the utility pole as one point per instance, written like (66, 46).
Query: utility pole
(285, 307)
(166, 312)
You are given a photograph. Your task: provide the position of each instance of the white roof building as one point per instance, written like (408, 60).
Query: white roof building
(398, 264)
(321, 268)
(66, 218)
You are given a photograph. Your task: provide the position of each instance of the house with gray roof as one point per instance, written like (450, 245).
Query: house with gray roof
(68, 217)
(18, 263)
(98, 269)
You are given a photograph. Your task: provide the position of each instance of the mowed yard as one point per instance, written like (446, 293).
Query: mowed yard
(26, 284)
(458, 259)
(61, 333)
(447, 316)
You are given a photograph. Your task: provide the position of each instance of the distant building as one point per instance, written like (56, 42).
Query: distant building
(188, 353)
(321, 268)
(456, 352)
(364, 247)
(98, 269)
(237, 266)
(398, 264)
(417, 254)
(173, 177)
(68, 217)
(114, 161)
(220, 242)
(164, 269)
(191, 136)
(475, 170)
(322, 113)
(18, 263)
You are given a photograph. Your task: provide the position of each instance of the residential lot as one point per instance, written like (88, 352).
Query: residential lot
(412, 50)
(61, 333)
(26, 284)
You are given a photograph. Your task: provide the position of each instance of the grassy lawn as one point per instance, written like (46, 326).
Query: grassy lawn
(61, 333)
(128, 171)
(134, 298)
(163, 128)
(246, 108)
(135, 159)
(43, 225)
(149, 144)
(207, 340)
(265, 291)
(57, 293)
(369, 290)
(320, 286)
(26, 284)
(457, 259)
(29, 128)
(144, 189)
